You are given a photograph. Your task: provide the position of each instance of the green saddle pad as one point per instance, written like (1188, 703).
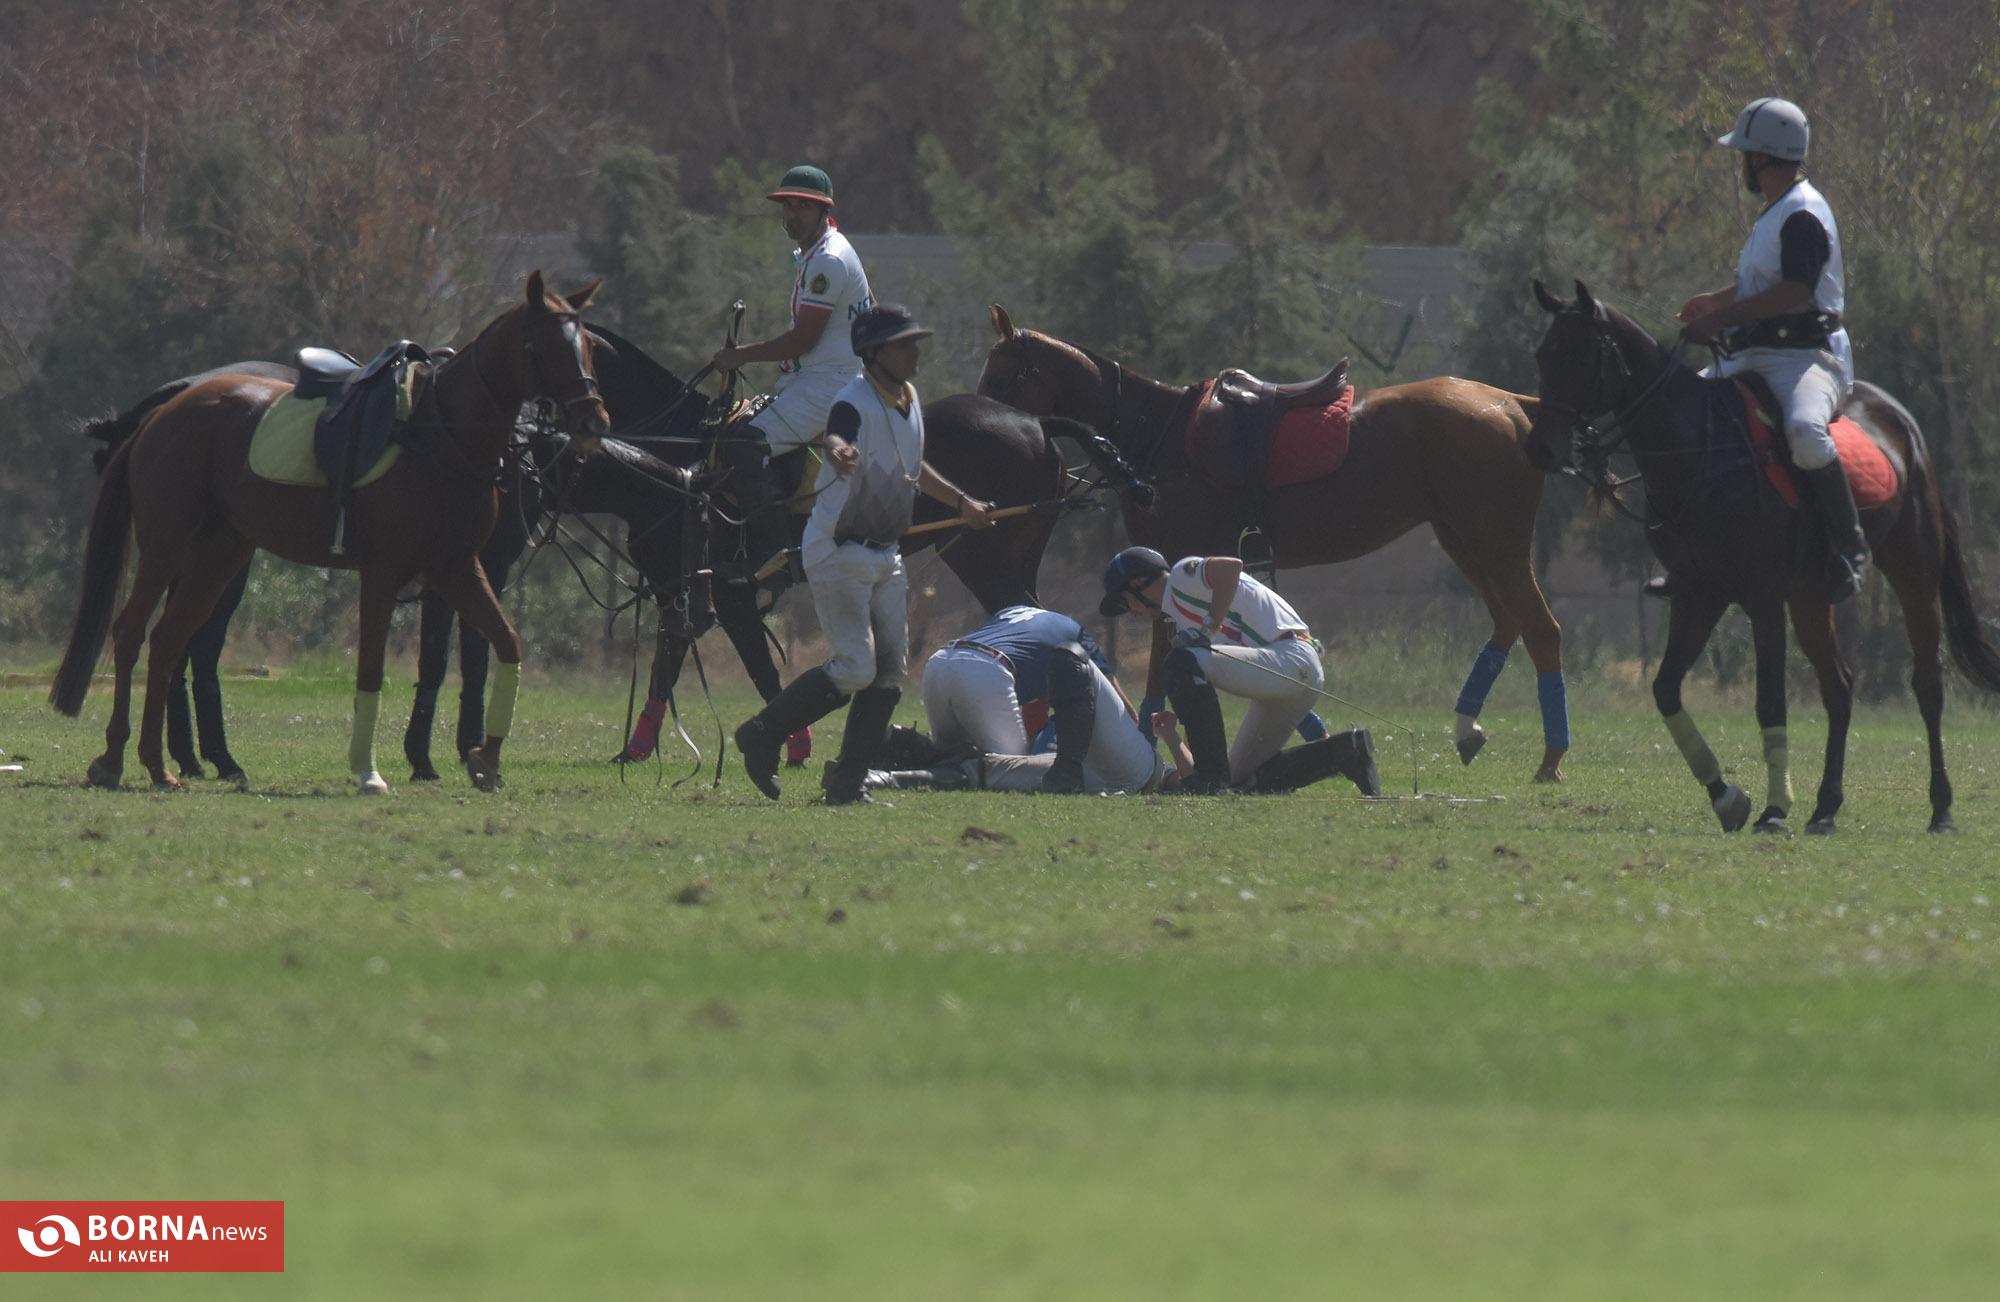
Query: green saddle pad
(282, 448)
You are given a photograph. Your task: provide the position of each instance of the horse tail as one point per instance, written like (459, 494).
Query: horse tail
(1972, 646)
(113, 430)
(103, 567)
(1105, 457)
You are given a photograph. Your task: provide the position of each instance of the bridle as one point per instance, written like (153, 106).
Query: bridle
(1592, 431)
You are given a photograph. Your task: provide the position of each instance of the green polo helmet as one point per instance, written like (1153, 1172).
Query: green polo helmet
(805, 182)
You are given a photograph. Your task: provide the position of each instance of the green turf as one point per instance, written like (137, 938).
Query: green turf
(580, 1039)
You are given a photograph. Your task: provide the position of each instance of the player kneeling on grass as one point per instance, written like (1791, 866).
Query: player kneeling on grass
(1266, 655)
(979, 690)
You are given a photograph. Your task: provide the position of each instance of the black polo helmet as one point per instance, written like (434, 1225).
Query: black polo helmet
(1128, 570)
(884, 323)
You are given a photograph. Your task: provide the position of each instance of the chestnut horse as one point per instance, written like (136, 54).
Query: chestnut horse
(1726, 538)
(183, 491)
(1444, 452)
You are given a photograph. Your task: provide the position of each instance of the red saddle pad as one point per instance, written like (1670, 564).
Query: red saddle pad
(1311, 442)
(1870, 473)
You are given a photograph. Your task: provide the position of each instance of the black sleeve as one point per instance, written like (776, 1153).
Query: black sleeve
(843, 421)
(1803, 249)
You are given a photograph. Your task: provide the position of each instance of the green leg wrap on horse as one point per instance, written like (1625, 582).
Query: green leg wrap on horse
(1778, 764)
(1700, 759)
(506, 690)
(361, 746)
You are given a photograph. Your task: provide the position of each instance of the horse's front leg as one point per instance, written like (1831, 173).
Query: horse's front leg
(465, 586)
(1812, 616)
(378, 603)
(1690, 621)
(1767, 633)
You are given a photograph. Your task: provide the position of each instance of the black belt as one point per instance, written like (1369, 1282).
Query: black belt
(983, 649)
(1800, 330)
(842, 539)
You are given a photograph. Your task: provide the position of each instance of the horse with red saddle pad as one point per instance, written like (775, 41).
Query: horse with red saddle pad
(1247, 437)
(1726, 519)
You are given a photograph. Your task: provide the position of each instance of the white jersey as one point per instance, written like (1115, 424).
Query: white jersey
(1761, 264)
(1257, 616)
(830, 277)
(877, 498)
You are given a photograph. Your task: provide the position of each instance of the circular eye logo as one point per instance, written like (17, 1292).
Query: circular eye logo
(48, 1239)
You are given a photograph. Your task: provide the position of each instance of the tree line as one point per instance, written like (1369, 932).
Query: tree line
(316, 188)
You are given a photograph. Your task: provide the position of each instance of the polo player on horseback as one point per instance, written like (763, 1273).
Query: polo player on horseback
(829, 290)
(1781, 319)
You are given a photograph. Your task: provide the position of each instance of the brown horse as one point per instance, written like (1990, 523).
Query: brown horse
(1444, 452)
(182, 489)
(1726, 538)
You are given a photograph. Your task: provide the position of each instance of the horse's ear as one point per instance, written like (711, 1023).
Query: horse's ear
(1550, 303)
(580, 299)
(1003, 325)
(1584, 300)
(538, 294)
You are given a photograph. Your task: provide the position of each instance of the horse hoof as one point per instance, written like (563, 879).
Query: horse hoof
(1732, 808)
(1942, 824)
(193, 770)
(104, 775)
(425, 773)
(1546, 774)
(164, 781)
(1471, 744)
(1821, 826)
(370, 784)
(483, 777)
(236, 778)
(1773, 824)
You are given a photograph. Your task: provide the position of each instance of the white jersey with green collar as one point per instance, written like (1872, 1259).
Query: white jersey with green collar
(1257, 616)
(830, 277)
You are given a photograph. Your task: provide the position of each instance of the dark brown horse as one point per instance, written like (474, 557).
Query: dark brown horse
(1726, 538)
(1443, 452)
(183, 491)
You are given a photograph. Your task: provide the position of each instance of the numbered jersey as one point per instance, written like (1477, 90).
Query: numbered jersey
(829, 276)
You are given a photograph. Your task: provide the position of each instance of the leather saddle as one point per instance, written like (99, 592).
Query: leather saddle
(1254, 408)
(363, 413)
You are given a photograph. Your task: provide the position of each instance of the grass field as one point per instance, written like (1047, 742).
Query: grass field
(580, 1039)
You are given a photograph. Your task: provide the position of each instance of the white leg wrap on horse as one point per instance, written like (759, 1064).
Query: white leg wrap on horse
(1700, 759)
(506, 690)
(1778, 768)
(361, 745)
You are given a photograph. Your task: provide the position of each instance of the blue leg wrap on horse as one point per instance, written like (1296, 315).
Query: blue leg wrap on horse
(1555, 709)
(1312, 727)
(1485, 670)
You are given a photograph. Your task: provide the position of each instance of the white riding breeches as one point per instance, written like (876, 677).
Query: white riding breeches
(969, 700)
(1121, 759)
(1808, 388)
(1281, 682)
(798, 410)
(861, 595)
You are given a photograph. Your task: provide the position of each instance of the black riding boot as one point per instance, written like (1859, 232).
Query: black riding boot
(810, 698)
(1073, 706)
(1193, 698)
(1848, 566)
(762, 501)
(1350, 754)
(862, 745)
(946, 777)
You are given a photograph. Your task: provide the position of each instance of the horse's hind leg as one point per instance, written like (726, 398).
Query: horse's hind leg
(1767, 633)
(1690, 621)
(434, 625)
(1924, 623)
(1812, 617)
(128, 635)
(204, 659)
(212, 565)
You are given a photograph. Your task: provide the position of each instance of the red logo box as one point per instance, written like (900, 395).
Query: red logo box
(142, 1236)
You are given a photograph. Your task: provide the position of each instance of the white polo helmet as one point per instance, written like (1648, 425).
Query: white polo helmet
(1771, 126)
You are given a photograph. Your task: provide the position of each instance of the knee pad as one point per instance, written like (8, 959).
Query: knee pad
(745, 447)
(1183, 670)
(1069, 670)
